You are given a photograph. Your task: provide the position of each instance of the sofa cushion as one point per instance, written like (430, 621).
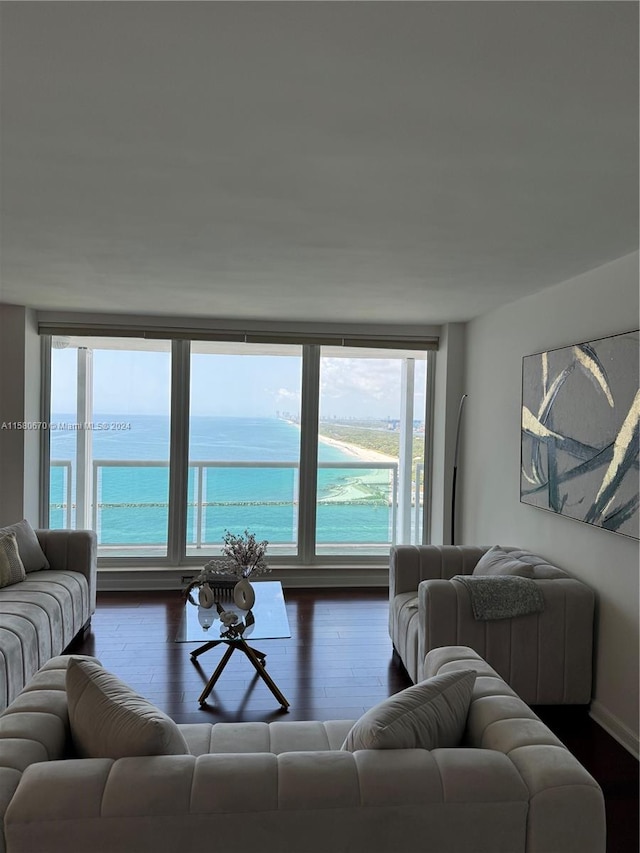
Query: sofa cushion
(497, 561)
(31, 554)
(542, 570)
(110, 720)
(429, 715)
(11, 566)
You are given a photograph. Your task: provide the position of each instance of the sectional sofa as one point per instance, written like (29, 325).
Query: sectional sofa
(509, 786)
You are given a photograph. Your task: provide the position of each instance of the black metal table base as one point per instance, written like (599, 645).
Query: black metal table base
(256, 657)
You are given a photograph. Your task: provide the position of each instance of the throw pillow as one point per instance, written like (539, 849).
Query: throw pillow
(542, 570)
(429, 715)
(497, 561)
(31, 554)
(110, 720)
(11, 568)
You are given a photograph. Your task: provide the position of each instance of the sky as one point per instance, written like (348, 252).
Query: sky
(138, 382)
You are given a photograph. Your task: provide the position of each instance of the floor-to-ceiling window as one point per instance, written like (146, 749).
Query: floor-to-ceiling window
(370, 451)
(109, 442)
(318, 449)
(244, 444)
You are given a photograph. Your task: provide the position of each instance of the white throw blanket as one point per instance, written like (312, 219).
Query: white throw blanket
(501, 596)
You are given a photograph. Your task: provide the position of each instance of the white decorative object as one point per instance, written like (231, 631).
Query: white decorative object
(244, 595)
(205, 596)
(229, 618)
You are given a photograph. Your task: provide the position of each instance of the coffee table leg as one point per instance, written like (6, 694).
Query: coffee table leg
(218, 670)
(262, 672)
(260, 655)
(201, 649)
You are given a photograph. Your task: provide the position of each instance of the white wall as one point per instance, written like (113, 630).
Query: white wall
(601, 302)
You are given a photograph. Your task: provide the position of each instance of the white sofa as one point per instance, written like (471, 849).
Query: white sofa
(546, 657)
(41, 615)
(510, 787)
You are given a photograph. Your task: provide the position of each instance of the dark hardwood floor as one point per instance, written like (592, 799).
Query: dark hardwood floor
(337, 664)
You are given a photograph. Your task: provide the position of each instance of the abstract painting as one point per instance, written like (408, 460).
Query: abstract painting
(580, 426)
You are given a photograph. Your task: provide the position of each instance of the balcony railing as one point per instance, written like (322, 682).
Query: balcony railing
(66, 505)
(359, 490)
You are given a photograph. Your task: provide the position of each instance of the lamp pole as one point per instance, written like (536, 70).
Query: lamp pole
(455, 471)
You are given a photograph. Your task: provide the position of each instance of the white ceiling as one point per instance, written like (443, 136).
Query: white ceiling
(378, 162)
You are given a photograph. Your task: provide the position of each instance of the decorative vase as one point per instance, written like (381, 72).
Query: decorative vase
(205, 596)
(244, 595)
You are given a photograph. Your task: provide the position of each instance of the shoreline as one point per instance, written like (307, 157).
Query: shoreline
(361, 453)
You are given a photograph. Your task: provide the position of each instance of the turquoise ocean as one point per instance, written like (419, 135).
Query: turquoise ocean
(132, 499)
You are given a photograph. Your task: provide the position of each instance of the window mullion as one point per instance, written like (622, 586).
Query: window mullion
(179, 451)
(45, 443)
(427, 479)
(308, 479)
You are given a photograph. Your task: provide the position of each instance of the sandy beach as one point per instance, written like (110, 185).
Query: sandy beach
(359, 452)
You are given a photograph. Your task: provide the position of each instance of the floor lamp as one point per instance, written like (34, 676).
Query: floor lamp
(455, 471)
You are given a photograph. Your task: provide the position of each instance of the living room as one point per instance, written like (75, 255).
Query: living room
(460, 176)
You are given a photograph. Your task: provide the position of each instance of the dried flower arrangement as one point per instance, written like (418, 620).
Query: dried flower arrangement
(244, 556)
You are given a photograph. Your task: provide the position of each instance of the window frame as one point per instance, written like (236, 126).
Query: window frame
(306, 557)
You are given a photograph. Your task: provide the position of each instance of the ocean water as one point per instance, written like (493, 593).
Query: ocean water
(132, 498)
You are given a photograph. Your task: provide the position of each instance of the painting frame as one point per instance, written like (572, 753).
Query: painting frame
(580, 414)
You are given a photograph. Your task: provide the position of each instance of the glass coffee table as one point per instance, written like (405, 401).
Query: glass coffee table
(267, 620)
